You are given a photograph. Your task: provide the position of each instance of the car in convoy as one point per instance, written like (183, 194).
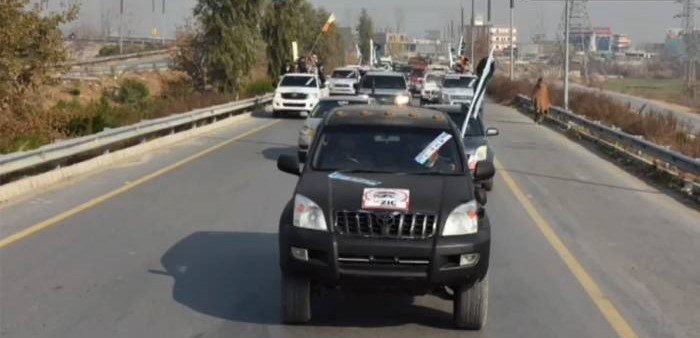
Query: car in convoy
(430, 93)
(386, 203)
(475, 139)
(416, 79)
(387, 88)
(297, 93)
(325, 106)
(457, 89)
(344, 81)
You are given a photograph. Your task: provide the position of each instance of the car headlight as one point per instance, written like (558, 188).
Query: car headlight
(278, 96)
(463, 220)
(480, 154)
(308, 215)
(401, 100)
(313, 96)
(446, 97)
(308, 131)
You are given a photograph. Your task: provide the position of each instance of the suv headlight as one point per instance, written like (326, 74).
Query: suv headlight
(313, 96)
(402, 99)
(463, 220)
(479, 155)
(278, 96)
(308, 215)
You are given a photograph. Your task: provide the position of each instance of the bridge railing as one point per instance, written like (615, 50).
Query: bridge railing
(70, 151)
(664, 158)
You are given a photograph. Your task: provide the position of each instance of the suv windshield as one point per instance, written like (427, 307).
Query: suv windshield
(461, 82)
(384, 82)
(434, 78)
(475, 127)
(343, 74)
(298, 81)
(323, 107)
(385, 149)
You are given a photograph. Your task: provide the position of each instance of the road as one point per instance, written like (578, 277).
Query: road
(191, 251)
(692, 119)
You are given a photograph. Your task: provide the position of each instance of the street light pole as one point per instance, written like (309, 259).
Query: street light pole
(471, 36)
(567, 20)
(121, 27)
(512, 43)
(162, 31)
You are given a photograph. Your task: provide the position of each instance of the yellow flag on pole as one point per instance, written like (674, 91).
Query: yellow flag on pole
(329, 23)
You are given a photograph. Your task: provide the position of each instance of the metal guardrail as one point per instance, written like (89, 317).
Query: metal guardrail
(116, 58)
(659, 153)
(54, 155)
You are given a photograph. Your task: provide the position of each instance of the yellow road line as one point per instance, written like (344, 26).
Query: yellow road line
(101, 199)
(603, 303)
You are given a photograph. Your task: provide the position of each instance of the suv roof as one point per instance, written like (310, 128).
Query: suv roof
(300, 74)
(458, 76)
(384, 73)
(354, 69)
(388, 116)
(351, 98)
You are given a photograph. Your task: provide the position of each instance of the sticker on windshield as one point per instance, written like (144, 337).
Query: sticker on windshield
(342, 177)
(308, 83)
(387, 199)
(433, 148)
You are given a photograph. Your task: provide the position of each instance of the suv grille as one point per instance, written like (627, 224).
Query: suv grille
(294, 96)
(386, 224)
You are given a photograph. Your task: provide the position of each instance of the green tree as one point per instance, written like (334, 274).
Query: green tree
(282, 24)
(32, 46)
(365, 31)
(230, 39)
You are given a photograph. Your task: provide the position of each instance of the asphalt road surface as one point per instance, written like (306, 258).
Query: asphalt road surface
(580, 249)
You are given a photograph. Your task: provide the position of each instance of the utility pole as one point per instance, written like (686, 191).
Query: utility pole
(461, 28)
(567, 14)
(471, 37)
(512, 42)
(687, 16)
(121, 26)
(162, 31)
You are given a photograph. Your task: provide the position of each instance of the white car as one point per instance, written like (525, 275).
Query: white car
(457, 89)
(297, 93)
(430, 92)
(344, 81)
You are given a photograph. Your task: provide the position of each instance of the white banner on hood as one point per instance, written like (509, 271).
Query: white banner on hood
(386, 199)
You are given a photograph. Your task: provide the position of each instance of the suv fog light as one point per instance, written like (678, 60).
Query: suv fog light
(467, 260)
(300, 254)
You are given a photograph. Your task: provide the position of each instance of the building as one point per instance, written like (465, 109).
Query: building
(621, 42)
(500, 38)
(431, 49)
(602, 39)
(391, 44)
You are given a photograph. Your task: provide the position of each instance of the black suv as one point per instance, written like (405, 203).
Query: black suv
(386, 203)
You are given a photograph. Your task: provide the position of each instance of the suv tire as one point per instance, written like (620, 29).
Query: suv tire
(296, 300)
(471, 305)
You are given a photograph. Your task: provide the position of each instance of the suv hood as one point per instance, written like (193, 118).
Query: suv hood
(344, 81)
(383, 92)
(458, 91)
(428, 194)
(305, 90)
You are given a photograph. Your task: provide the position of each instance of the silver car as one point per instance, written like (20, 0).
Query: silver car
(344, 81)
(324, 106)
(388, 88)
(457, 89)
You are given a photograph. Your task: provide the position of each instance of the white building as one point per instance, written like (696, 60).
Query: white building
(500, 38)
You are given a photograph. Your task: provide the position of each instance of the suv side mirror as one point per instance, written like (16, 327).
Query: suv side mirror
(484, 171)
(288, 164)
(492, 132)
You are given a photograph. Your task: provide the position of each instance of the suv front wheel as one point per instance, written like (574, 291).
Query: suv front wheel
(471, 305)
(296, 300)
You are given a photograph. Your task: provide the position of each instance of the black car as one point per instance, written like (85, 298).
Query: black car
(386, 203)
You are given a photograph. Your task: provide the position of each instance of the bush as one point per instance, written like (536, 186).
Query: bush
(132, 92)
(258, 87)
(75, 91)
(109, 50)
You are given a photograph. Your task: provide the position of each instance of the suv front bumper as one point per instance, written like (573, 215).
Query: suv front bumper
(422, 265)
(280, 104)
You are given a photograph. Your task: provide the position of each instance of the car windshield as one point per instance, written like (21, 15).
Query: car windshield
(387, 149)
(434, 78)
(323, 107)
(298, 81)
(475, 127)
(343, 74)
(461, 82)
(384, 82)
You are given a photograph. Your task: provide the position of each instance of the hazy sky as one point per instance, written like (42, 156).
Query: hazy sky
(644, 20)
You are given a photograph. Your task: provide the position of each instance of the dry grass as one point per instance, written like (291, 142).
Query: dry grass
(659, 128)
